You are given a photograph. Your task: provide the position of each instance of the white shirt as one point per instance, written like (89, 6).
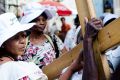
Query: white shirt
(71, 37)
(15, 70)
(114, 56)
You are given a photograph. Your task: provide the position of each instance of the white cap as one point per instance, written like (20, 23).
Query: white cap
(32, 11)
(10, 26)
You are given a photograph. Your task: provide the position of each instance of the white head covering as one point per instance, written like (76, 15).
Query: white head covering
(10, 26)
(32, 11)
(109, 16)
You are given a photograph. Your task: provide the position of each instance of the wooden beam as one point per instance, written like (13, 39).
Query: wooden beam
(105, 41)
(111, 38)
(107, 38)
(101, 62)
(86, 9)
(54, 69)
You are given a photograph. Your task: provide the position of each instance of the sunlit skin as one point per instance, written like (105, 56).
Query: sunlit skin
(41, 21)
(16, 44)
(36, 36)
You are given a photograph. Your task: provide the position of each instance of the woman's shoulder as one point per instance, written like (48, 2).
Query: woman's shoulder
(19, 69)
(18, 66)
(11, 65)
(10, 70)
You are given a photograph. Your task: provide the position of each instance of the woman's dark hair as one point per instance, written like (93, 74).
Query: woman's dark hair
(5, 53)
(43, 14)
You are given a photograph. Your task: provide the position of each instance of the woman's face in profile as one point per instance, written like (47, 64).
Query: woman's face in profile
(16, 44)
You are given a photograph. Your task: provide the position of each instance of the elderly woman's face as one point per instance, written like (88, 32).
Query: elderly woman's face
(16, 44)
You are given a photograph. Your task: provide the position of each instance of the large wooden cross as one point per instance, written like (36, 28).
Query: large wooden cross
(107, 38)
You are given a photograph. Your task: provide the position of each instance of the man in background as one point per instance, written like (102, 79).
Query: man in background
(64, 29)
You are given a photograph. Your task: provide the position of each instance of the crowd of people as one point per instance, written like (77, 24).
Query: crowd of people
(25, 48)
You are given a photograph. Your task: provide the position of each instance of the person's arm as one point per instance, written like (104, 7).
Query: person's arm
(90, 69)
(74, 67)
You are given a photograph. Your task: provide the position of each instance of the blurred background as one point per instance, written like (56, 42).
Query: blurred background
(101, 6)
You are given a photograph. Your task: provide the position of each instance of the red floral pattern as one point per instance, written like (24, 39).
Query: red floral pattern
(25, 78)
(41, 54)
